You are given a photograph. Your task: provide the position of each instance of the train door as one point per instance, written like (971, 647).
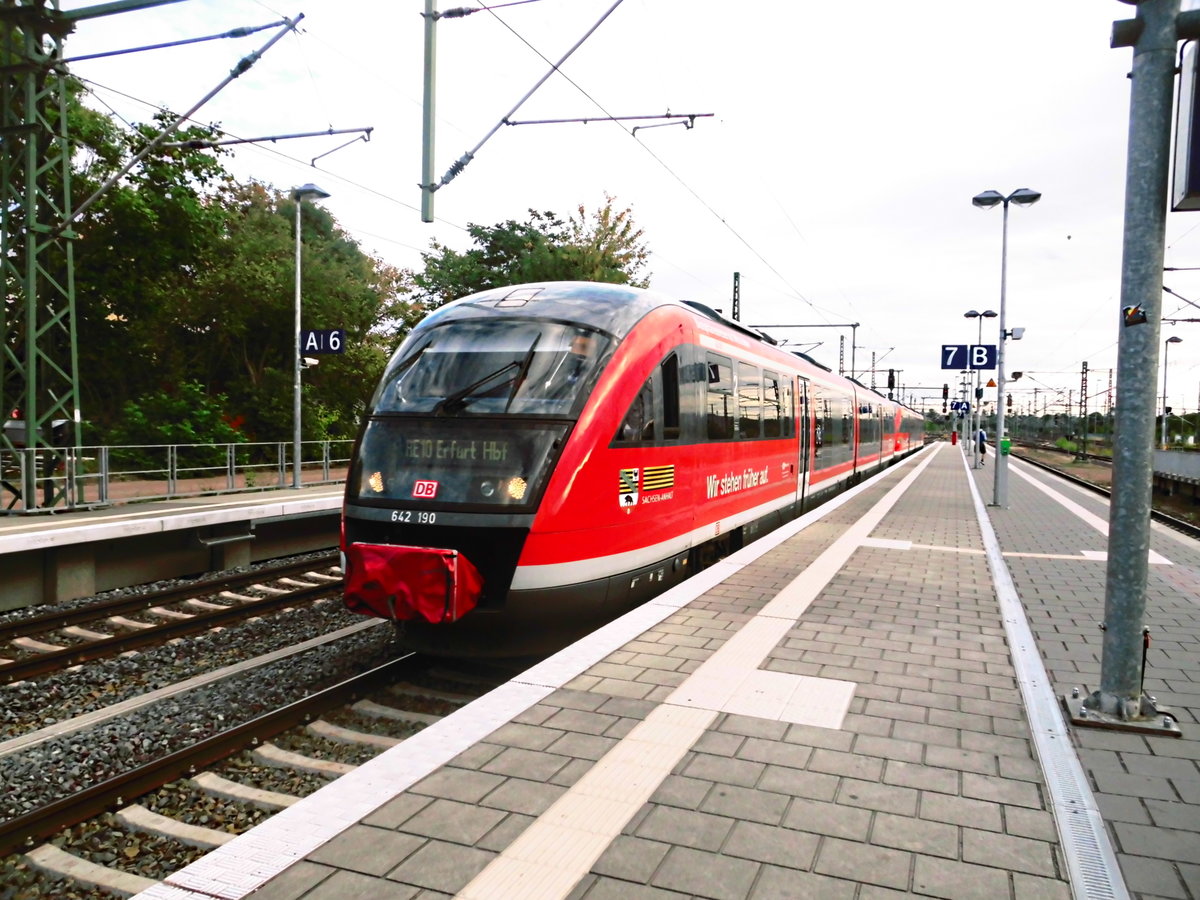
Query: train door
(804, 425)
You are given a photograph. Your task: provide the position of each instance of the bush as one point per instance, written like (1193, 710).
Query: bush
(185, 415)
(1066, 445)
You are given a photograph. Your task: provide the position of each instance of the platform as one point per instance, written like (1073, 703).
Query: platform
(862, 704)
(68, 555)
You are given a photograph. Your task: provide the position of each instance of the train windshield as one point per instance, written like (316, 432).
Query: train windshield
(493, 367)
(448, 461)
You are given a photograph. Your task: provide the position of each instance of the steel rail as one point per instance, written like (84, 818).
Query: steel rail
(22, 832)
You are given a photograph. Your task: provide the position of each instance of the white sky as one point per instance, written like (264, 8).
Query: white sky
(836, 175)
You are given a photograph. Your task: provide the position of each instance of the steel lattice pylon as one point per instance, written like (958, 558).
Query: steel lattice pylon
(39, 391)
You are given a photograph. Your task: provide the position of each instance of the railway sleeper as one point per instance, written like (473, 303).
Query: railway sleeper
(321, 728)
(271, 755)
(60, 864)
(136, 817)
(216, 786)
(380, 711)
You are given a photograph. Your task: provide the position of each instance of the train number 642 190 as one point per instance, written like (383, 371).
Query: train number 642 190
(422, 517)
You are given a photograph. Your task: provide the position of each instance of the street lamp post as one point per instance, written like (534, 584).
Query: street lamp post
(975, 404)
(986, 200)
(1166, 346)
(299, 195)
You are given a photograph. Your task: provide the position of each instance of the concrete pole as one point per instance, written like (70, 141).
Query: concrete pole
(999, 460)
(1152, 88)
(428, 180)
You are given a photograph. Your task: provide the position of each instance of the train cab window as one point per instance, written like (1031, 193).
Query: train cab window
(719, 403)
(772, 406)
(749, 402)
(653, 415)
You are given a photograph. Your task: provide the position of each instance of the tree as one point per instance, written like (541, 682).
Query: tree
(604, 246)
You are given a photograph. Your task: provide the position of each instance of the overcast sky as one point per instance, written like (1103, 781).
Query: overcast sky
(836, 173)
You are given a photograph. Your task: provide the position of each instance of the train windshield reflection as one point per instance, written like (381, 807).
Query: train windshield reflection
(490, 367)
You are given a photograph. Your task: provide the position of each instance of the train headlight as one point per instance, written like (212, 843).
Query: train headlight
(487, 488)
(376, 482)
(516, 488)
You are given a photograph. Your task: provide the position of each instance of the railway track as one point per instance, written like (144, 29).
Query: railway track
(126, 831)
(40, 644)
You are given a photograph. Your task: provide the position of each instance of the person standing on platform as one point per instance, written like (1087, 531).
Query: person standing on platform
(981, 441)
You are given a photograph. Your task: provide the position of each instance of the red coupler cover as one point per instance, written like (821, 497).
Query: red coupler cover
(395, 582)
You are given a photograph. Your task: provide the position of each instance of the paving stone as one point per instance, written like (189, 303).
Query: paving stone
(396, 812)
(582, 746)
(883, 797)
(723, 770)
(1004, 851)
(958, 881)
(828, 818)
(1160, 843)
(745, 804)
(1030, 887)
(365, 849)
(916, 835)
(678, 790)
(611, 889)
(864, 863)
(1151, 877)
(775, 883)
(353, 886)
(1030, 823)
(963, 760)
(921, 777)
(685, 828)
(457, 784)
(585, 721)
(441, 867)
(529, 798)
(797, 783)
(960, 811)
(631, 858)
(849, 764)
(706, 874)
(1001, 790)
(449, 820)
(528, 764)
(529, 737)
(509, 829)
(774, 752)
(295, 881)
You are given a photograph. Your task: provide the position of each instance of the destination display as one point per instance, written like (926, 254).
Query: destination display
(462, 450)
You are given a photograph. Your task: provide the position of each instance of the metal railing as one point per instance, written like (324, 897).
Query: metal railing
(106, 475)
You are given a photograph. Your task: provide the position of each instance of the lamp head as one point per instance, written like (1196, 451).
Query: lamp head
(987, 199)
(308, 191)
(1174, 340)
(989, 314)
(1025, 197)
(972, 314)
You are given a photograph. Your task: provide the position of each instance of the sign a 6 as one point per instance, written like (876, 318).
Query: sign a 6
(968, 356)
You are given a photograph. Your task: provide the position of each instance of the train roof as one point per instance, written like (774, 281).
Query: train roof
(614, 308)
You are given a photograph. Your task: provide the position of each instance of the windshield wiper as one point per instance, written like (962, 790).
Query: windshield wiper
(456, 401)
(520, 376)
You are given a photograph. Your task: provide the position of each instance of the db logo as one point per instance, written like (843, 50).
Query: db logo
(425, 490)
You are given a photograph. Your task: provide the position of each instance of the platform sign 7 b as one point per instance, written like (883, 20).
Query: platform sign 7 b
(968, 356)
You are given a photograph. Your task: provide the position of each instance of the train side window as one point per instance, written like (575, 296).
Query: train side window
(720, 401)
(638, 425)
(669, 371)
(789, 409)
(772, 406)
(749, 401)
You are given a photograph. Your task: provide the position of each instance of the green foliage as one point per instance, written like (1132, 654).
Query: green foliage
(604, 246)
(186, 415)
(1064, 444)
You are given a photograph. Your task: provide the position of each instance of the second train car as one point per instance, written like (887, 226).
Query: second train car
(537, 459)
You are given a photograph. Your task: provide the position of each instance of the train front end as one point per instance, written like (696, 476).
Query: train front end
(460, 440)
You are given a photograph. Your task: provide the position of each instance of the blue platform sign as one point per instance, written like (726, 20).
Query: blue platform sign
(968, 356)
(963, 406)
(329, 340)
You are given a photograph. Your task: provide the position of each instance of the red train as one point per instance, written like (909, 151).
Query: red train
(537, 459)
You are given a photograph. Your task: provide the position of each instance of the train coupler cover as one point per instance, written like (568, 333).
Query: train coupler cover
(399, 583)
